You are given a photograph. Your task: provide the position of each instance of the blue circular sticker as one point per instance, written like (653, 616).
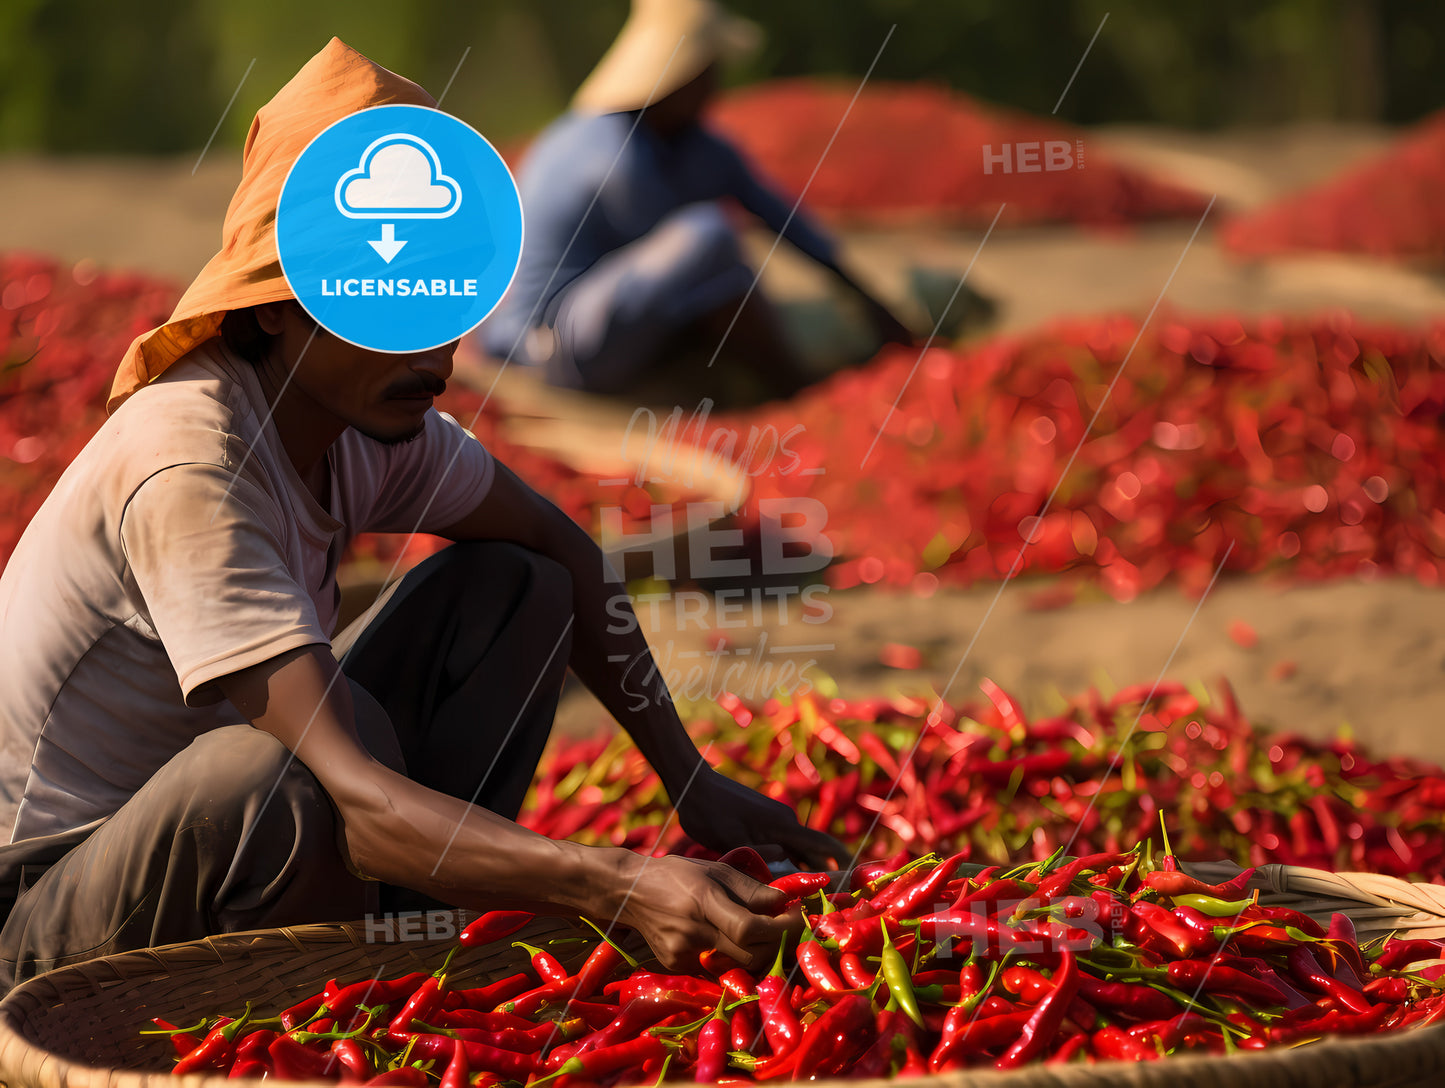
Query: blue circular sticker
(399, 228)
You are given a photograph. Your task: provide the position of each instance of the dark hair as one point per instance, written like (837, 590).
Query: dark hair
(243, 334)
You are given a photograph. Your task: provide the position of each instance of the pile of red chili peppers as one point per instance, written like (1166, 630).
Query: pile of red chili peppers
(1314, 447)
(1311, 447)
(924, 966)
(911, 152)
(990, 782)
(1385, 207)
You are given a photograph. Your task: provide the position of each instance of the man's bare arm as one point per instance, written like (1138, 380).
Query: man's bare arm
(398, 831)
(611, 656)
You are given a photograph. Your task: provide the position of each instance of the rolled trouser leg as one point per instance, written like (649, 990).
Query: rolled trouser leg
(232, 833)
(467, 658)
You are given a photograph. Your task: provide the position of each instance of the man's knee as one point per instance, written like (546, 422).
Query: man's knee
(487, 568)
(700, 236)
(231, 778)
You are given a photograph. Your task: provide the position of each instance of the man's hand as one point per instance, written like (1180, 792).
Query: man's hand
(683, 907)
(721, 814)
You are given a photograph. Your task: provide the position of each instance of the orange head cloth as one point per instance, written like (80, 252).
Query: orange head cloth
(335, 83)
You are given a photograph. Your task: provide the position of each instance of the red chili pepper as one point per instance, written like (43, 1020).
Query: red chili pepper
(1058, 882)
(254, 1045)
(182, 1040)
(712, 1056)
(988, 898)
(650, 984)
(799, 885)
(1336, 1021)
(855, 974)
(835, 1038)
(1307, 971)
(215, 1051)
(493, 926)
(1070, 1049)
(749, 862)
(479, 1056)
(342, 1005)
(596, 1064)
(1173, 882)
(1394, 990)
(1115, 1044)
(716, 963)
(816, 966)
(592, 1013)
(1142, 1002)
(295, 1061)
(744, 1026)
(458, 1073)
(963, 1034)
(1284, 916)
(419, 1006)
(600, 963)
(1043, 1025)
(1401, 953)
(780, 1024)
(487, 998)
(529, 1001)
(251, 1069)
(1152, 924)
(926, 894)
(1190, 975)
(547, 966)
(355, 1064)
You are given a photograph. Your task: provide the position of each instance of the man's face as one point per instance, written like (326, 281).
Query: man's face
(382, 395)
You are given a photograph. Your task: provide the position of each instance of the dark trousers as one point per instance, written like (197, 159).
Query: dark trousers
(465, 657)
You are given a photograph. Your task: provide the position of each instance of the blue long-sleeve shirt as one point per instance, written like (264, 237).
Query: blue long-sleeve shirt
(573, 161)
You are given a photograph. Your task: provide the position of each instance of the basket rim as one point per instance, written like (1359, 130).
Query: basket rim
(1423, 1049)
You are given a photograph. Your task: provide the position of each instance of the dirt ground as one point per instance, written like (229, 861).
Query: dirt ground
(1370, 654)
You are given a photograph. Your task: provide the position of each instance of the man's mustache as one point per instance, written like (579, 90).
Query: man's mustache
(423, 385)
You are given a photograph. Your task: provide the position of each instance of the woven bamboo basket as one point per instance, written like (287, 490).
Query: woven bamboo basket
(78, 1026)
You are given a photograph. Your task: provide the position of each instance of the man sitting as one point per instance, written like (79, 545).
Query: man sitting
(188, 754)
(629, 254)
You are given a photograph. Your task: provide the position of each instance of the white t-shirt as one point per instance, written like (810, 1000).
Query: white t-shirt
(179, 547)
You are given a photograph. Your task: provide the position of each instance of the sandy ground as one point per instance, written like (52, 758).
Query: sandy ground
(1370, 654)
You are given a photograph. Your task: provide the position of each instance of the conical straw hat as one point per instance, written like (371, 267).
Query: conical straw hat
(663, 45)
(335, 83)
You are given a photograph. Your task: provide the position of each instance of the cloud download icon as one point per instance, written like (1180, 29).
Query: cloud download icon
(396, 164)
(400, 177)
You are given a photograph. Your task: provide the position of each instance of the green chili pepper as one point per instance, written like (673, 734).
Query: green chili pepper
(1215, 908)
(900, 982)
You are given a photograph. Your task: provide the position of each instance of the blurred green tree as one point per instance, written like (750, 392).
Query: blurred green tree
(154, 75)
